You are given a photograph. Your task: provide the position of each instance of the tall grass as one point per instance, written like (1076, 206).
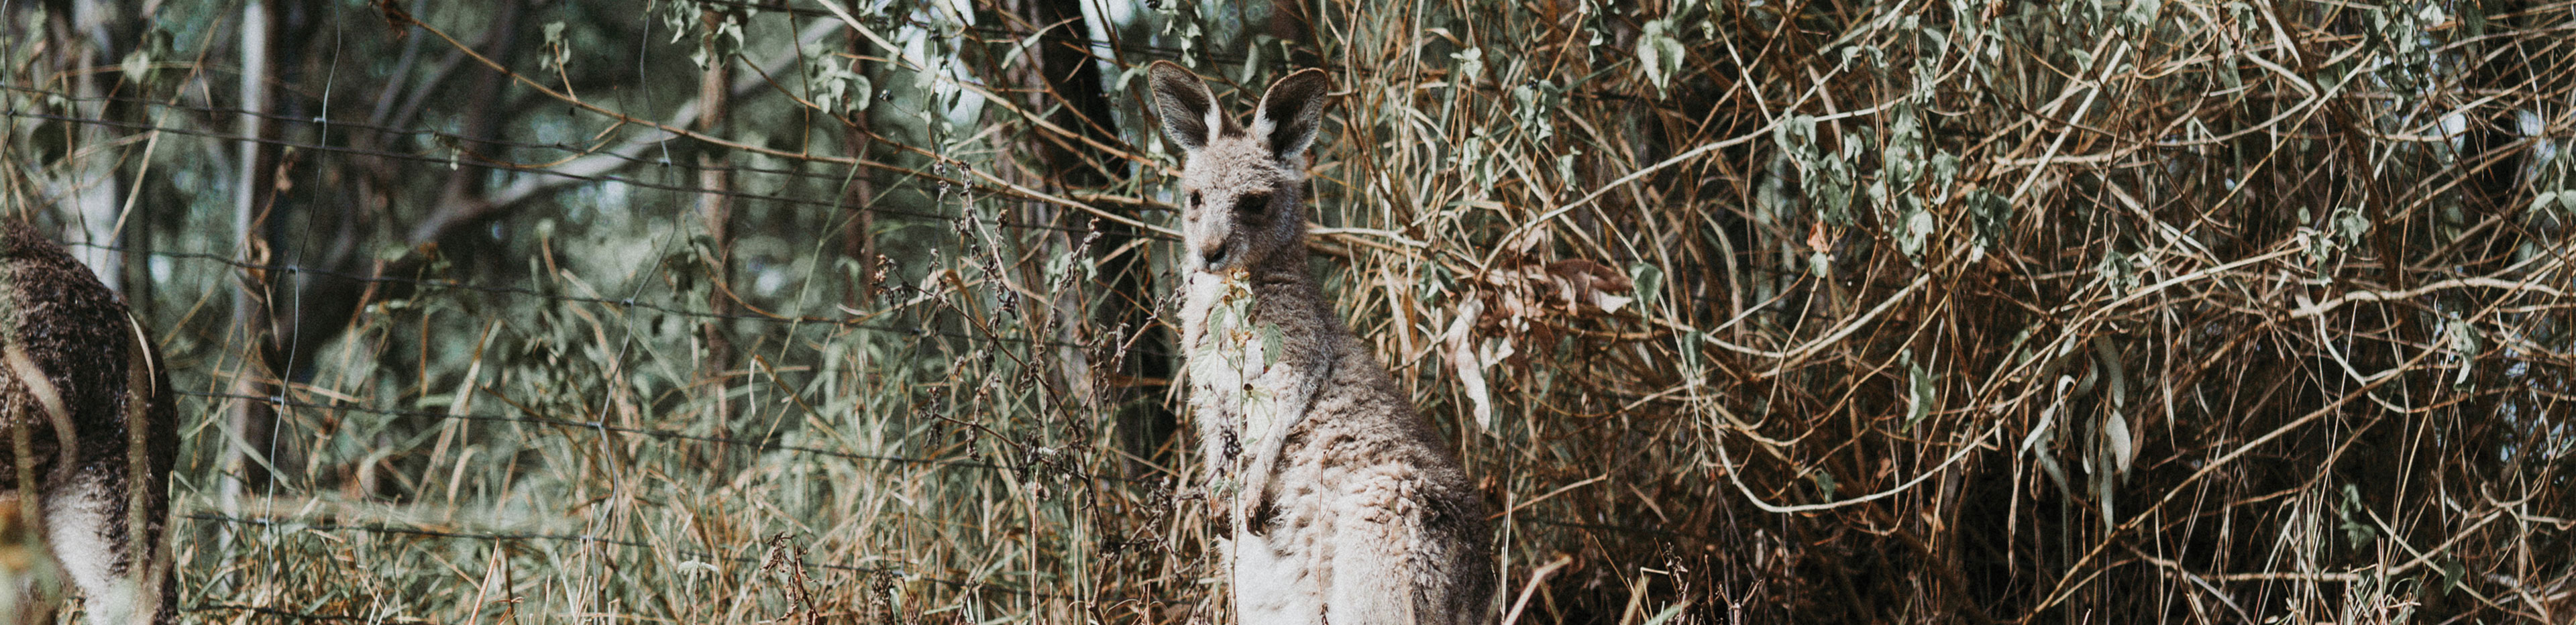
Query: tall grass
(1738, 312)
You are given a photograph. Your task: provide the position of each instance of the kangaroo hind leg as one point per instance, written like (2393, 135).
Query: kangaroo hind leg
(91, 534)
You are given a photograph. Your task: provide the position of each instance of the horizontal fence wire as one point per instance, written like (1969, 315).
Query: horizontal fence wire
(775, 446)
(914, 330)
(306, 616)
(604, 178)
(293, 525)
(1143, 205)
(388, 528)
(663, 434)
(461, 157)
(382, 528)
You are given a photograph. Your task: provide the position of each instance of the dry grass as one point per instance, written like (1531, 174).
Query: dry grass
(1817, 312)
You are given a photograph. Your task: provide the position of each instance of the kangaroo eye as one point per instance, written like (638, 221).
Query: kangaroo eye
(1251, 202)
(1194, 200)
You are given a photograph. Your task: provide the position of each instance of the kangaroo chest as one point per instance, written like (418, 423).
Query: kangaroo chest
(1251, 379)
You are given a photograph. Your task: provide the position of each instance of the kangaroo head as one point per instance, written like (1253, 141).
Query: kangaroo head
(1241, 188)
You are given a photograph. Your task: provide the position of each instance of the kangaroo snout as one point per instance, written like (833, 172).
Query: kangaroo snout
(1212, 255)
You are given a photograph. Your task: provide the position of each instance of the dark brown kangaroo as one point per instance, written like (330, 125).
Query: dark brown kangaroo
(88, 433)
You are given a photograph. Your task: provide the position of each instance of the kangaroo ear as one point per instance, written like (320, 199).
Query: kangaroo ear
(1291, 111)
(1187, 107)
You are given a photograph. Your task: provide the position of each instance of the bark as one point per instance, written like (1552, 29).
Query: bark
(88, 184)
(858, 243)
(248, 459)
(1139, 349)
(715, 205)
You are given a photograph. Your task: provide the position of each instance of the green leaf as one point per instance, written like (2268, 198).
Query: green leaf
(2102, 491)
(2452, 571)
(2349, 225)
(1690, 349)
(1918, 391)
(556, 52)
(1660, 53)
(1471, 64)
(1917, 232)
(1648, 280)
(1272, 342)
(1668, 613)
(862, 93)
(2354, 530)
(139, 65)
(2464, 338)
(681, 16)
(1989, 215)
(2143, 12)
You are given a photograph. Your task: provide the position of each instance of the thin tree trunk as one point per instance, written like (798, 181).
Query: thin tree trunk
(90, 184)
(859, 242)
(1140, 351)
(245, 461)
(715, 205)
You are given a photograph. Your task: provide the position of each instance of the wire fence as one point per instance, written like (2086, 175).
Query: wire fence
(654, 433)
(305, 525)
(952, 330)
(459, 158)
(1937, 312)
(673, 309)
(667, 435)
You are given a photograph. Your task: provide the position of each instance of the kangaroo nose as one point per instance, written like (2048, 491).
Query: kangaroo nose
(1213, 255)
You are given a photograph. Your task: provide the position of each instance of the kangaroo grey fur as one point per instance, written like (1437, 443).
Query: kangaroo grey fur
(1347, 507)
(83, 389)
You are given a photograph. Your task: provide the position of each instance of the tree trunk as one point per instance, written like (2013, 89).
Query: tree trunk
(715, 205)
(88, 184)
(858, 243)
(1140, 350)
(248, 459)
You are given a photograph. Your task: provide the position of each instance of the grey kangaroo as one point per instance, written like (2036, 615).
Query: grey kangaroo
(1347, 507)
(88, 434)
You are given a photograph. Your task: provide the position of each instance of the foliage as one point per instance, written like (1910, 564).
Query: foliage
(2080, 310)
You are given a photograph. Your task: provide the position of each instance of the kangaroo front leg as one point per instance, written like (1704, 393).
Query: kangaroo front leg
(1297, 403)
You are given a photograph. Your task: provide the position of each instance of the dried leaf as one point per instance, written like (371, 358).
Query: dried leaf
(1530, 239)
(1581, 282)
(2123, 449)
(1459, 346)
